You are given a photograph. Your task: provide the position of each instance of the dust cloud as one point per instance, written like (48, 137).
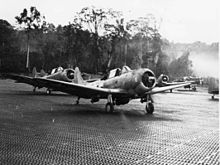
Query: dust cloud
(205, 65)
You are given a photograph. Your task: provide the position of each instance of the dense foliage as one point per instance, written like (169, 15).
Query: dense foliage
(96, 41)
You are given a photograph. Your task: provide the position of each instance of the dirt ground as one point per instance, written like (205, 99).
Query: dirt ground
(36, 128)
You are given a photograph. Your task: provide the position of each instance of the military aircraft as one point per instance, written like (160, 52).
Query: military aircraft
(163, 80)
(118, 89)
(56, 74)
(213, 88)
(194, 82)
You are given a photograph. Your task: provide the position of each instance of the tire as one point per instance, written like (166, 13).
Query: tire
(109, 107)
(48, 91)
(149, 108)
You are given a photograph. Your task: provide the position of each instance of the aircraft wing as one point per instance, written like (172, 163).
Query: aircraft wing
(177, 83)
(22, 79)
(162, 89)
(81, 90)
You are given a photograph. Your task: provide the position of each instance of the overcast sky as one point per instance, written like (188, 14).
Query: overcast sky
(181, 20)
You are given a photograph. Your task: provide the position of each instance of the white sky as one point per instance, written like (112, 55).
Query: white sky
(182, 20)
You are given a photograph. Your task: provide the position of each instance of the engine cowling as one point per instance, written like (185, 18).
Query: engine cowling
(162, 79)
(148, 79)
(165, 78)
(147, 82)
(64, 75)
(70, 74)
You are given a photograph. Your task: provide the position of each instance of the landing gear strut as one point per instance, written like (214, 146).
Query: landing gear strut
(77, 101)
(213, 97)
(109, 107)
(149, 104)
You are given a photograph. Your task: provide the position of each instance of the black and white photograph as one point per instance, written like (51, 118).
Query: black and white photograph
(109, 82)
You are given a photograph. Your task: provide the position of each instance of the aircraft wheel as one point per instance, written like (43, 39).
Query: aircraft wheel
(48, 91)
(109, 107)
(213, 97)
(149, 108)
(34, 90)
(194, 88)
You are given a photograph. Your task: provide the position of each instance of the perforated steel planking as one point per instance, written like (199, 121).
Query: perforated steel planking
(183, 132)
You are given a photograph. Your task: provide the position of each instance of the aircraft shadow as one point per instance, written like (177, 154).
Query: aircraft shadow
(215, 99)
(38, 93)
(88, 110)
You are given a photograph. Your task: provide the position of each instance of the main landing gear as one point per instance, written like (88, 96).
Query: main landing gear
(149, 108)
(213, 97)
(48, 91)
(109, 107)
(77, 101)
(149, 104)
(34, 90)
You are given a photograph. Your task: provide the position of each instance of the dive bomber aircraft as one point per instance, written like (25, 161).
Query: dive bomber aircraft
(163, 80)
(56, 74)
(118, 89)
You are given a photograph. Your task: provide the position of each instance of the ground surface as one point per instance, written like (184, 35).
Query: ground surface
(41, 129)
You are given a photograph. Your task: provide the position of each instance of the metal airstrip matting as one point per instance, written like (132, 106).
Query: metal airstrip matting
(45, 130)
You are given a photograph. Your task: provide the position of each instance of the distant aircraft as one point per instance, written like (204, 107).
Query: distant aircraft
(194, 82)
(118, 89)
(213, 88)
(163, 80)
(56, 74)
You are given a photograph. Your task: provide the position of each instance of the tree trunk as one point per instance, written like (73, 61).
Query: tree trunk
(28, 50)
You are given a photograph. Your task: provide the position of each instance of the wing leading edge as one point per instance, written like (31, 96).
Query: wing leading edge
(81, 90)
(22, 79)
(162, 89)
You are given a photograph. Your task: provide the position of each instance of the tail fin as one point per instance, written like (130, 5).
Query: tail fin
(34, 72)
(125, 69)
(159, 80)
(77, 77)
(42, 73)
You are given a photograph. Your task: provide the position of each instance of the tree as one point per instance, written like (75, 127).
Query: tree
(30, 20)
(76, 41)
(118, 35)
(181, 67)
(93, 20)
(53, 47)
(10, 59)
(145, 31)
(6, 31)
(162, 64)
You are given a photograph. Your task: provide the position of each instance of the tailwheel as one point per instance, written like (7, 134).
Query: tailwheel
(109, 107)
(77, 101)
(149, 108)
(194, 88)
(48, 91)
